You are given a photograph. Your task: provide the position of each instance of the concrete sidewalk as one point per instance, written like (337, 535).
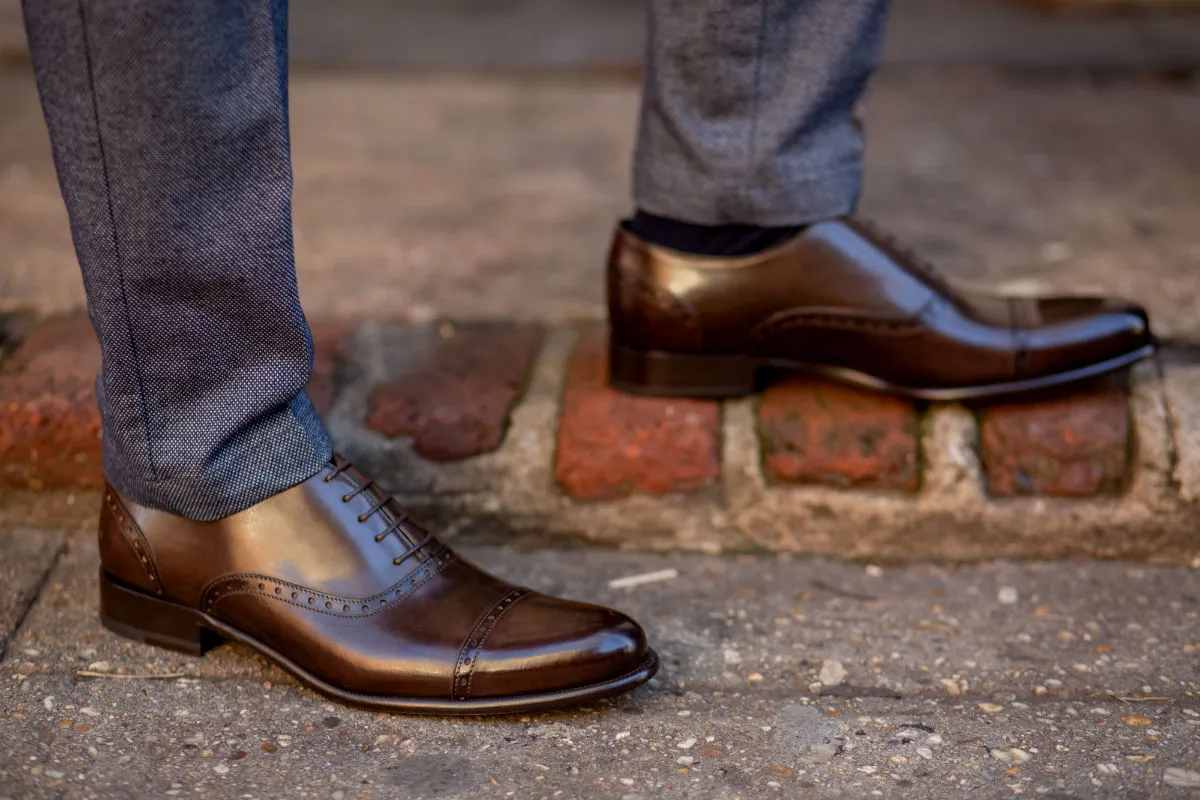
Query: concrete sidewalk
(781, 678)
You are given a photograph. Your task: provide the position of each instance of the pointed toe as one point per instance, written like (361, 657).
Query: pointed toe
(1077, 334)
(549, 644)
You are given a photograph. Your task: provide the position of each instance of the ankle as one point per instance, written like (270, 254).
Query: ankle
(709, 240)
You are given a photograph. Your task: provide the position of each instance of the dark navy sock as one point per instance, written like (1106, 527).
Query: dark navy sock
(708, 240)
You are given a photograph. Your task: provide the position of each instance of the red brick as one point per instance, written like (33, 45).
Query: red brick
(49, 425)
(1075, 445)
(817, 432)
(330, 339)
(455, 398)
(612, 444)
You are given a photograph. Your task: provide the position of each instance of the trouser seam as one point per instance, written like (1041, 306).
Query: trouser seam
(756, 91)
(112, 221)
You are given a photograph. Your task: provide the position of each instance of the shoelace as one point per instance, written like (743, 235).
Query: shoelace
(397, 525)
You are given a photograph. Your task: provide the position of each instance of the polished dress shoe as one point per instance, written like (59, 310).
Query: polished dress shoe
(335, 583)
(842, 301)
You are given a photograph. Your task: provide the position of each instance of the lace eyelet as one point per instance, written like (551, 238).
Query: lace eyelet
(397, 561)
(362, 517)
(345, 498)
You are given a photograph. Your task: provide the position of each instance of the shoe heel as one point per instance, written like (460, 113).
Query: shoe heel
(662, 374)
(142, 618)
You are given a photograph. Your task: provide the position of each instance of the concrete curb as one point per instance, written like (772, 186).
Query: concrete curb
(513, 491)
(1149, 429)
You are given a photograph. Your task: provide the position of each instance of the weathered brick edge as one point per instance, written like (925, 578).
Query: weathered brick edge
(612, 444)
(453, 399)
(1075, 445)
(817, 432)
(454, 395)
(49, 425)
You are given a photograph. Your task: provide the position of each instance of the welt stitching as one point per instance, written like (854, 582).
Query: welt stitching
(326, 595)
(344, 614)
(136, 540)
(835, 321)
(466, 648)
(468, 657)
(415, 583)
(516, 596)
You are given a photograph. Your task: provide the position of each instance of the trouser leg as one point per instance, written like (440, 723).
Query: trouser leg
(748, 109)
(169, 127)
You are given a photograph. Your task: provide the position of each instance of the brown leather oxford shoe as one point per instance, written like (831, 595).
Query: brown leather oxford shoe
(332, 581)
(841, 300)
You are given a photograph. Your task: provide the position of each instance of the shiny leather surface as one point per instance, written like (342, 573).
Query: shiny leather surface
(842, 294)
(303, 574)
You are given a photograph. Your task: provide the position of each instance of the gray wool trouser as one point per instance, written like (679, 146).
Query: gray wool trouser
(169, 127)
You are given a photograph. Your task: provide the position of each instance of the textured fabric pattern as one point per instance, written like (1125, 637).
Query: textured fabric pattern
(168, 121)
(748, 109)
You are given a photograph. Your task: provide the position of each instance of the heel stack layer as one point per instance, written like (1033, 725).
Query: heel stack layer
(138, 616)
(667, 374)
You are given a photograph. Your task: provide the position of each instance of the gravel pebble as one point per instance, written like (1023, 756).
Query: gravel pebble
(1181, 778)
(1011, 755)
(832, 673)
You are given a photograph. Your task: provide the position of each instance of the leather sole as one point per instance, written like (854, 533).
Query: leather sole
(138, 616)
(659, 373)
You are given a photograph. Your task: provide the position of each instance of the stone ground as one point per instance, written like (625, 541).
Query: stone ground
(783, 676)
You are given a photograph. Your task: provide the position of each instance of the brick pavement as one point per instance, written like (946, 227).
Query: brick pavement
(1097, 466)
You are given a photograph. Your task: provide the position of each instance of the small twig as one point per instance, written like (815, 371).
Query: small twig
(630, 581)
(83, 673)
